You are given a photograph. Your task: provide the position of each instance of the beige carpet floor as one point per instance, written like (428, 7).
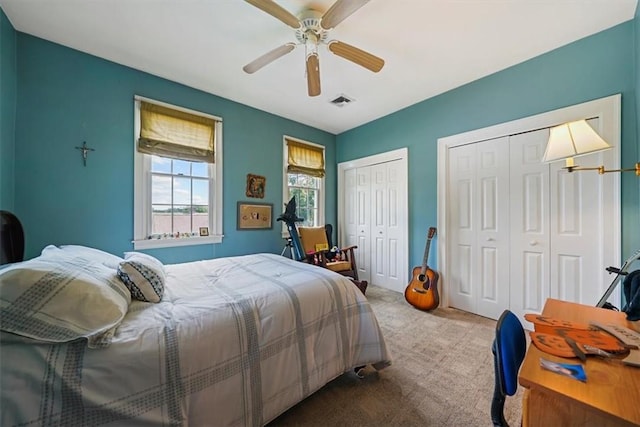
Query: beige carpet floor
(442, 374)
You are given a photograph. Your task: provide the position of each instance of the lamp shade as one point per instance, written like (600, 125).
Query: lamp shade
(573, 139)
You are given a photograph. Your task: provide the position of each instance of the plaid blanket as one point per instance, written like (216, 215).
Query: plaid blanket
(234, 341)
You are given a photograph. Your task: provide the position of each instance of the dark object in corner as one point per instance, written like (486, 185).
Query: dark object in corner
(290, 218)
(11, 238)
(631, 290)
(289, 215)
(361, 284)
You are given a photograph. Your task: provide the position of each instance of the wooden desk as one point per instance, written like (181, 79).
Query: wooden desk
(611, 395)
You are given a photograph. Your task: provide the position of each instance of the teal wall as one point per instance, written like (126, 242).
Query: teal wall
(66, 97)
(637, 74)
(52, 98)
(594, 67)
(7, 111)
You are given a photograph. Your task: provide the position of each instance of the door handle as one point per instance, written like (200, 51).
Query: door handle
(490, 239)
(533, 243)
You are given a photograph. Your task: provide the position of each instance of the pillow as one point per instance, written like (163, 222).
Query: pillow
(143, 275)
(60, 297)
(90, 254)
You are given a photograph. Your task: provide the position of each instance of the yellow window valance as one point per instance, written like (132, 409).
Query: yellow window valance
(305, 158)
(177, 134)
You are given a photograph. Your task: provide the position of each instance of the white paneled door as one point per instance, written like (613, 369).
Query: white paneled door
(542, 232)
(479, 186)
(530, 242)
(374, 217)
(581, 225)
(363, 221)
(387, 226)
(522, 231)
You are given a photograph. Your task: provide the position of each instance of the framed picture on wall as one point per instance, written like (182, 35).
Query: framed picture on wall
(256, 186)
(255, 216)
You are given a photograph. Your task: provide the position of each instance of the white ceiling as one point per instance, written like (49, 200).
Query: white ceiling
(430, 46)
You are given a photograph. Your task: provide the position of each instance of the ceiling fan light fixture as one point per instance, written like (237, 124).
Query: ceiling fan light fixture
(312, 29)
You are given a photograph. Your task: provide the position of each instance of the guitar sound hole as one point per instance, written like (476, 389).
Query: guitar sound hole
(422, 277)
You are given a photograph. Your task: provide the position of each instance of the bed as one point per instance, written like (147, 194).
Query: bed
(232, 341)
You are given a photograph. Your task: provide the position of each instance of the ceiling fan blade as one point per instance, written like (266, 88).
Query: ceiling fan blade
(358, 56)
(276, 11)
(313, 74)
(340, 11)
(268, 57)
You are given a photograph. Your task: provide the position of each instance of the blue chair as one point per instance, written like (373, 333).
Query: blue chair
(508, 348)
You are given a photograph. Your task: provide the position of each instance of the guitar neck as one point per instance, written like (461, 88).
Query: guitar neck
(425, 258)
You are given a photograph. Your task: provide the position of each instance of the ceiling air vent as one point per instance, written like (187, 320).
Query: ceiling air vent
(341, 101)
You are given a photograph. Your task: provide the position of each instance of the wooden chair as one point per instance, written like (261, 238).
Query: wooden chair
(316, 246)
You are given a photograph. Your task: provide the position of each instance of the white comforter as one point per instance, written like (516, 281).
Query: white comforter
(235, 341)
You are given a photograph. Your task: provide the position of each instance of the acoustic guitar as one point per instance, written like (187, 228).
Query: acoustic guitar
(422, 292)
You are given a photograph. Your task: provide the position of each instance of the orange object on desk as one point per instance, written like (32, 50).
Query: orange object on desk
(548, 325)
(609, 397)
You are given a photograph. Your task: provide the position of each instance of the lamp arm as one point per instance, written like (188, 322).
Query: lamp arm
(601, 170)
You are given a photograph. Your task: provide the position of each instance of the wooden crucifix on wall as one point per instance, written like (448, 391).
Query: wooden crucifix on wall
(85, 150)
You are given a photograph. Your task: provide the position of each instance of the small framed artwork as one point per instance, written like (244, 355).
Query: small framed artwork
(204, 231)
(256, 186)
(255, 216)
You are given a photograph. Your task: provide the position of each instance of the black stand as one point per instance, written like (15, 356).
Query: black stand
(620, 273)
(288, 246)
(290, 218)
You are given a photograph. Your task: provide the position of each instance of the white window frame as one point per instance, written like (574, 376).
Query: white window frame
(285, 182)
(142, 189)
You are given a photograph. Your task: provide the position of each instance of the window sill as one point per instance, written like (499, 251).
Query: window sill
(171, 243)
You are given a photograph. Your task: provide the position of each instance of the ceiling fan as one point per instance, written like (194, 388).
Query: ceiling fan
(312, 30)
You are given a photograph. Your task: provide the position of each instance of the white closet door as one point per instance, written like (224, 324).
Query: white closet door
(462, 231)
(564, 228)
(580, 212)
(388, 225)
(492, 177)
(479, 218)
(530, 243)
(374, 221)
(350, 213)
(363, 222)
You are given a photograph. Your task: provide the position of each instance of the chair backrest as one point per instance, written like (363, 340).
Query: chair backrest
(11, 238)
(314, 239)
(328, 229)
(509, 348)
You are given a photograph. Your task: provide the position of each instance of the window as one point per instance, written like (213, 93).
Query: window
(178, 176)
(304, 179)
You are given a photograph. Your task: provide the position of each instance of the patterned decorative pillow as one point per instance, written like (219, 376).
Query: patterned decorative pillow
(60, 298)
(143, 275)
